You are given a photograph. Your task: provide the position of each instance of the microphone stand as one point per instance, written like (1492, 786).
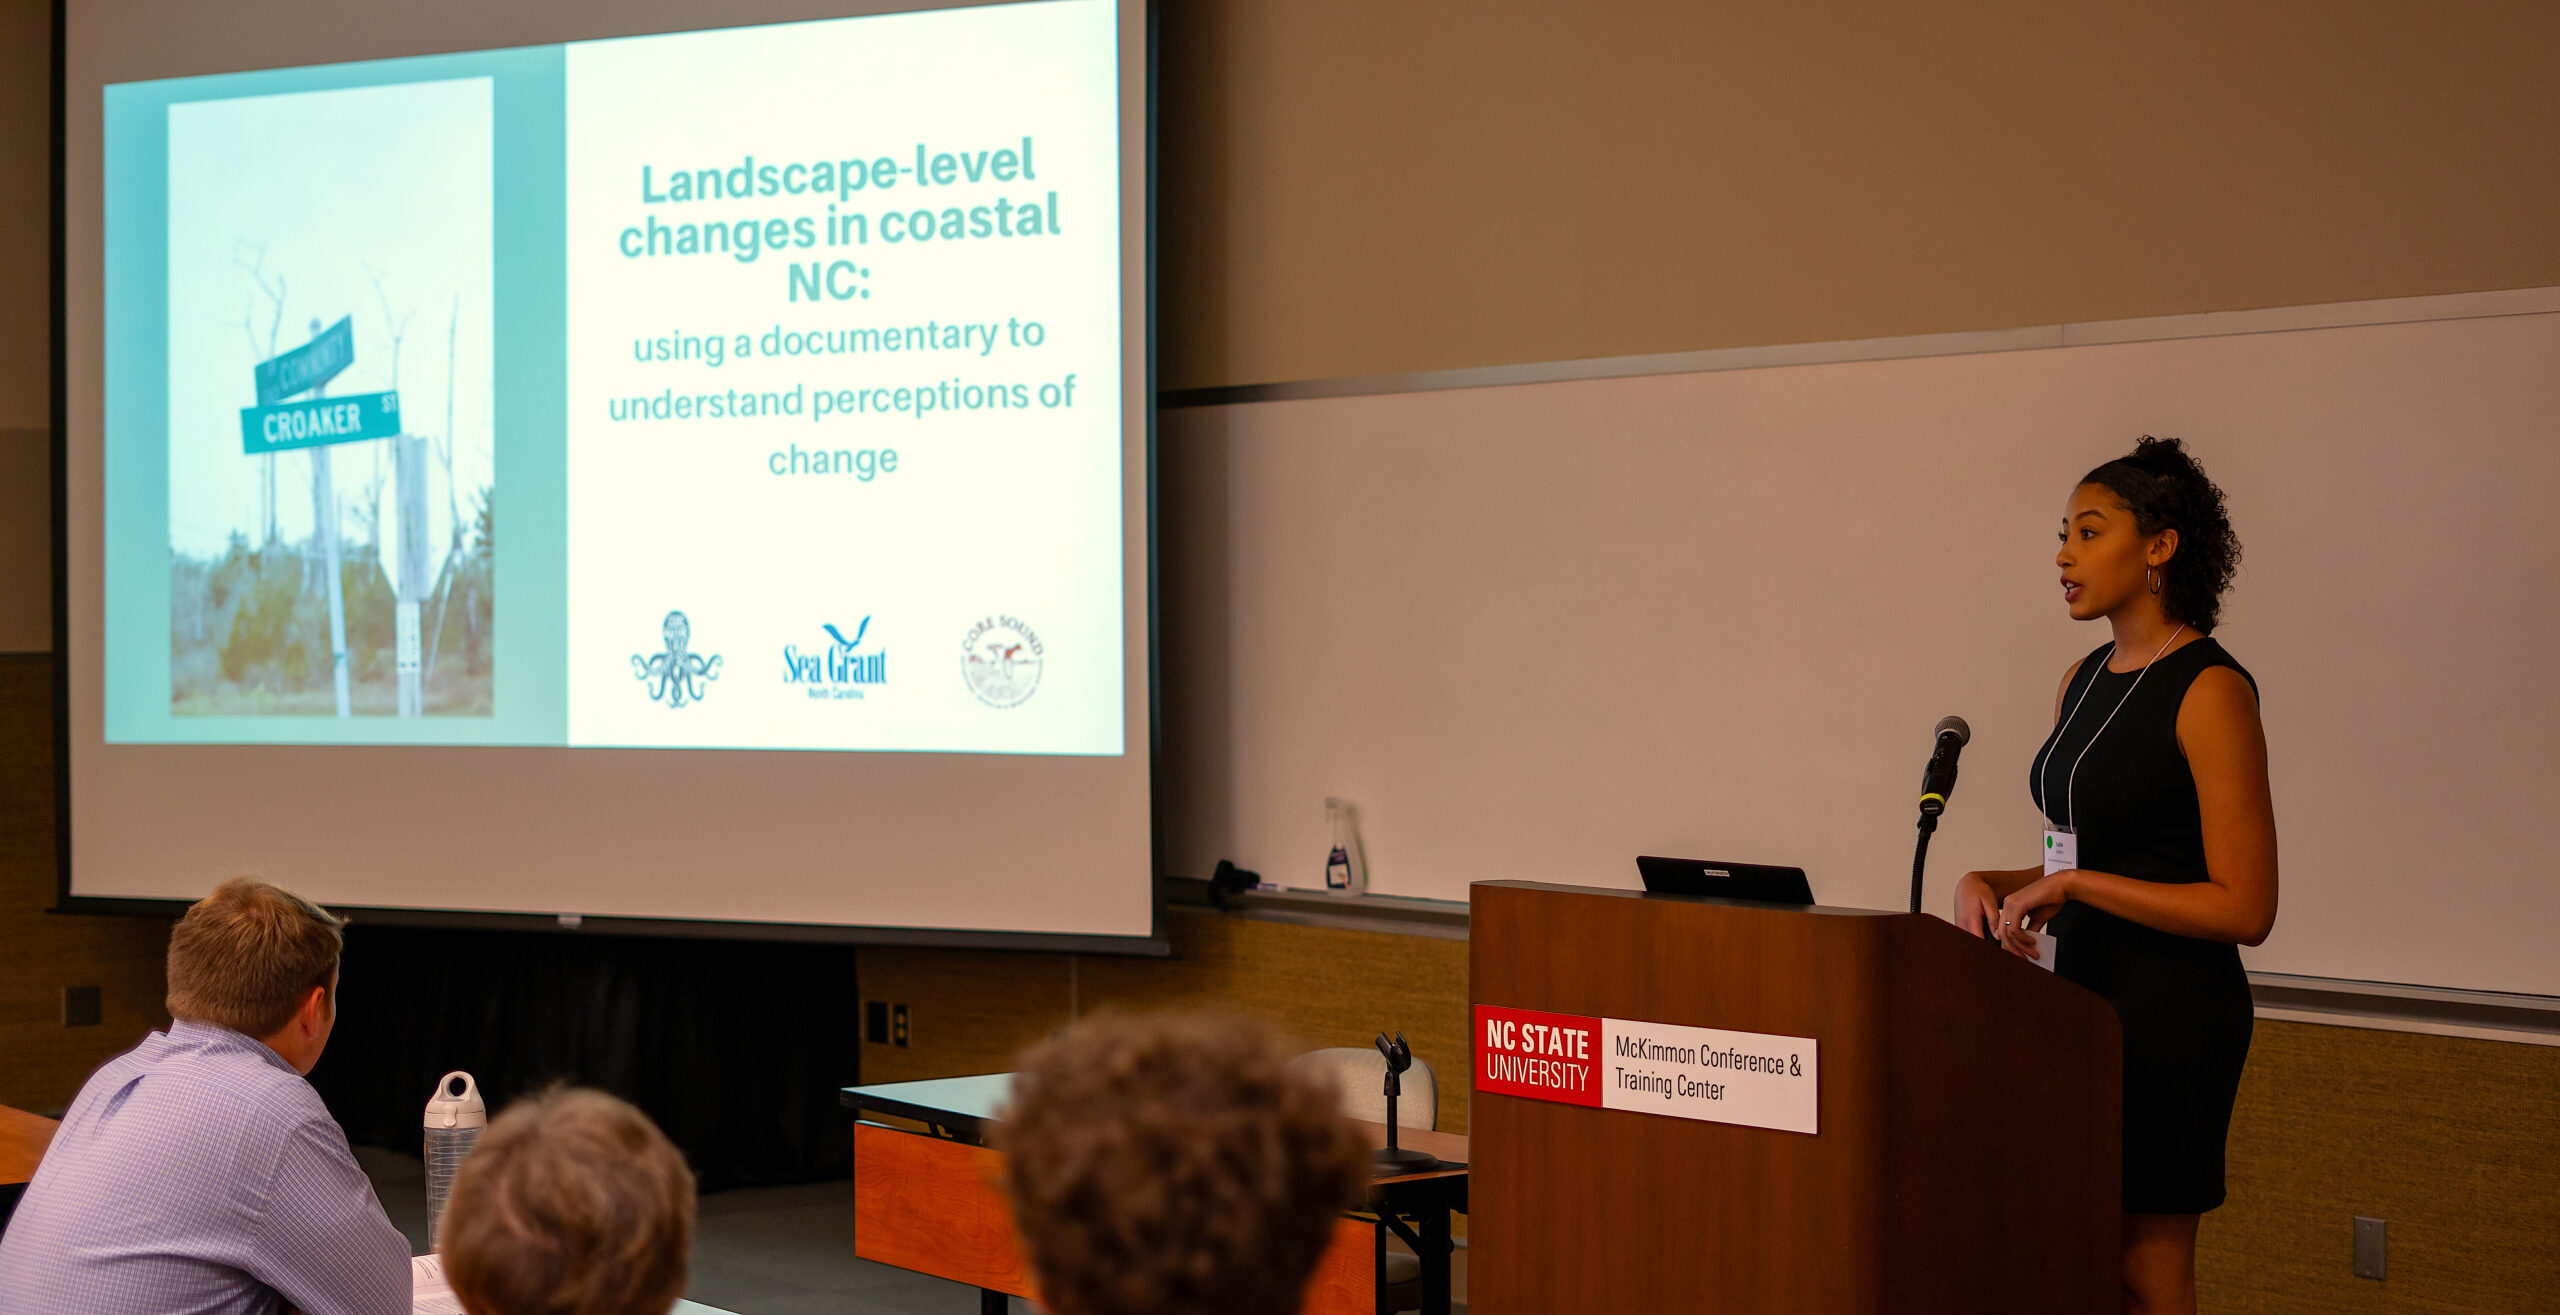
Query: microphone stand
(1929, 810)
(1391, 1159)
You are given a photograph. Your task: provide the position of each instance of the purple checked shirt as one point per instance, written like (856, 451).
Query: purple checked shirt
(198, 1174)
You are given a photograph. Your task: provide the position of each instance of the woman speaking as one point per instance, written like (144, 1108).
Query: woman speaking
(2160, 839)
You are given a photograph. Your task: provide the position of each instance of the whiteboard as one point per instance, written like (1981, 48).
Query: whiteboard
(1533, 631)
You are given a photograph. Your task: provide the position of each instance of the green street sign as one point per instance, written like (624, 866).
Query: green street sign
(319, 422)
(308, 366)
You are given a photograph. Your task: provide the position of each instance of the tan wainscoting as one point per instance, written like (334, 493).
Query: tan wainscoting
(974, 1010)
(2456, 1142)
(44, 952)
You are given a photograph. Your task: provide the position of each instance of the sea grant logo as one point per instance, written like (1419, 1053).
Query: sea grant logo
(838, 669)
(676, 677)
(1001, 659)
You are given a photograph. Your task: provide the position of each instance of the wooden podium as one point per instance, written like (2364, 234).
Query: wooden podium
(1964, 1106)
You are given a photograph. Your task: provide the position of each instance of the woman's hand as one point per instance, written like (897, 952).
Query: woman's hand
(1977, 906)
(2030, 908)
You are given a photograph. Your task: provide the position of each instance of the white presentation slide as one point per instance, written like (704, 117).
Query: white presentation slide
(844, 429)
(757, 388)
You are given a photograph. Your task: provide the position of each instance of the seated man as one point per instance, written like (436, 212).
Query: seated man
(1175, 1165)
(198, 1171)
(573, 1203)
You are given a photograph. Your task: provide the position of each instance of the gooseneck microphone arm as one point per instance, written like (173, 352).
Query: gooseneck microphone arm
(1937, 782)
(1920, 859)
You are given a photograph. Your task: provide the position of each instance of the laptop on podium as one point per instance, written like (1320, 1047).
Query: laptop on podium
(1743, 881)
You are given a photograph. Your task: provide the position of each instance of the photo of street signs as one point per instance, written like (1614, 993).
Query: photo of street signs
(332, 473)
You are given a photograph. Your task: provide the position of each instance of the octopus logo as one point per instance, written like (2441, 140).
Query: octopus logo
(676, 677)
(1001, 659)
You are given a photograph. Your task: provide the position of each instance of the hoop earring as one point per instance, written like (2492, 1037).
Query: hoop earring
(2153, 573)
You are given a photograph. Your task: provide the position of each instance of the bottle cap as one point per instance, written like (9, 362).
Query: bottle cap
(456, 1103)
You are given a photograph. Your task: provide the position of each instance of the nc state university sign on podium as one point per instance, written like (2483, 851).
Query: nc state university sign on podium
(1696, 1105)
(1747, 1078)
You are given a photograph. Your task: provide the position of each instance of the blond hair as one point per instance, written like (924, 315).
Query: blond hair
(245, 956)
(573, 1203)
(1175, 1163)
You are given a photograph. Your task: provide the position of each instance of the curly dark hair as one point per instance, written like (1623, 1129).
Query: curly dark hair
(1174, 1163)
(2161, 484)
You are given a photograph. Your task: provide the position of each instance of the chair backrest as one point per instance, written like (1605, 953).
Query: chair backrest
(1361, 1073)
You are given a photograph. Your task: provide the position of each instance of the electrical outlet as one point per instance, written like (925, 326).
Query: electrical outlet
(81, 1007)
(2372, 1247)
(898, 1026)
(875, 1022)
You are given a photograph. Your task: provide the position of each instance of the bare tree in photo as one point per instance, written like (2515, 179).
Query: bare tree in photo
(256, 267)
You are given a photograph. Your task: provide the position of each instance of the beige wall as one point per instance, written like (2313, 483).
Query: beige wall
(1354, 188)
(26, 542)
(26, 154)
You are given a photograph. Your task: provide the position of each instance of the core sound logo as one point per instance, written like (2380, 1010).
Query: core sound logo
(838, 669)
(677, 676)
(1001, 659)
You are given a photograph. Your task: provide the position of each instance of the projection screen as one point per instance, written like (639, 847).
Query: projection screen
(582, 463)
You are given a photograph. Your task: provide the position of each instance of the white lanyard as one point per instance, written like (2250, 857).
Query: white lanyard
(2071, 783)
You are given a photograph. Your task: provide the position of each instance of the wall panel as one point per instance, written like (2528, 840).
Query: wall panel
(26, 155)
(1352, 188)
(42, 952)
(1315, 986)
(2455, 1142)
(1534, 631)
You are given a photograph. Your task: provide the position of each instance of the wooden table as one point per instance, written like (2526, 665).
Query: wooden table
(929, 1201)
(23, 1137)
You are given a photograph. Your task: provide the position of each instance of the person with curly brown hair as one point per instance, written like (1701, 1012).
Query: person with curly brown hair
(573, 1203)
(2160, 840)
(1173, 1164)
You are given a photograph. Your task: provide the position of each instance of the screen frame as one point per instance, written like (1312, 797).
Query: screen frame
(1155, 944)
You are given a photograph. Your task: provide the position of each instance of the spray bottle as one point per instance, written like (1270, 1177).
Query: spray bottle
(455, 1120)
(1346, 870)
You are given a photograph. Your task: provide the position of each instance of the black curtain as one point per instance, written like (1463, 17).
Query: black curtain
(736, 1048)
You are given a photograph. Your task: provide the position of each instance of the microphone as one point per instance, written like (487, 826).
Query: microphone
(1389, 1160)
(1937, 781)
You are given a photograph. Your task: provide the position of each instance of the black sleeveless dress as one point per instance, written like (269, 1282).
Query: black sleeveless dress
(2184, 1003)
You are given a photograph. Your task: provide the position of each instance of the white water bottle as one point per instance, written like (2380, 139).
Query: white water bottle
(455, 1119)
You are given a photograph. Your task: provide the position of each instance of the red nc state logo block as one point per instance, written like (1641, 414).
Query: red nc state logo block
(1543, 1056)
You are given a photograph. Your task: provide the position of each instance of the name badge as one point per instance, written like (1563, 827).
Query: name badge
(2061, 851)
